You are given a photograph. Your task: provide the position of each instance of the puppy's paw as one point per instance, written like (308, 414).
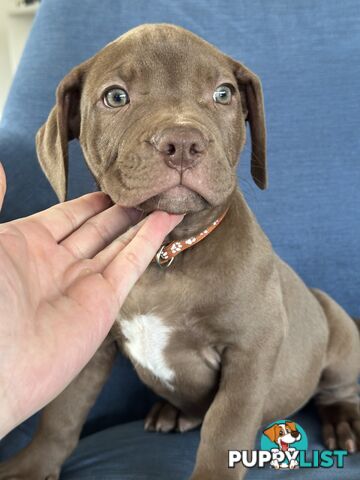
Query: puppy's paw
(23, 467)
(164, 417)
(341, 426)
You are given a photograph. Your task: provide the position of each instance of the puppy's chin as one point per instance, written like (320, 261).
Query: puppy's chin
(178, 200)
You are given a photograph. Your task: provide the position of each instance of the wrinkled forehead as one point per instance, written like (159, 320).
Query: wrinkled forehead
(161, 59)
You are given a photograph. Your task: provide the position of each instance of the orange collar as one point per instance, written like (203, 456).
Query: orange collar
(166, 253)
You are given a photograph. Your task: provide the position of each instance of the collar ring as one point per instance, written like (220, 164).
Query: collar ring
(163, 264)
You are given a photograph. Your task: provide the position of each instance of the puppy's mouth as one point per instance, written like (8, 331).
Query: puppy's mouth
(178, 199)
(284, 445)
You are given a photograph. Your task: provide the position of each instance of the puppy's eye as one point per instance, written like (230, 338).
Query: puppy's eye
(116, 97)
(223, 94)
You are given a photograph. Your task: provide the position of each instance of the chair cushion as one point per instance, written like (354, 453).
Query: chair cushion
(127, 452)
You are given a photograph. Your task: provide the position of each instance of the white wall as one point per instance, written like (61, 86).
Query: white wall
(5, 69)
(15, 24)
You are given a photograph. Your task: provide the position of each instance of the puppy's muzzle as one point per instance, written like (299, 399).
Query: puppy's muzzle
(181, 147)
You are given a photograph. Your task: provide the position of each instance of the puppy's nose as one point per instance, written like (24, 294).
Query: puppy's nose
(295, 433)
(181, 147)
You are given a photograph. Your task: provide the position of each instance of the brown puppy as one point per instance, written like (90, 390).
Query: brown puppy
(162, 129)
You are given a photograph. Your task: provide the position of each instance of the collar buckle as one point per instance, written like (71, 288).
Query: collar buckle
(162, 258)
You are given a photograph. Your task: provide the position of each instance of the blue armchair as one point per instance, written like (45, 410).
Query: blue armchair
(308, 56)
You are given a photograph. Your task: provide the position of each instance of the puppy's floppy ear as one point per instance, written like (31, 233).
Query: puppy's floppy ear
(62, 125)
(253, 103)
(292, 426)
(272, 433)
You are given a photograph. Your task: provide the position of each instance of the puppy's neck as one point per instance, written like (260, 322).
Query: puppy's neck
(194, 223)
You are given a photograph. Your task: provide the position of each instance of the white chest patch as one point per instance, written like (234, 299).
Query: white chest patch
(147, 338)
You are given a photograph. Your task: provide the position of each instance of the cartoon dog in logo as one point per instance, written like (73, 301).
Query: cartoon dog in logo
(283, 434)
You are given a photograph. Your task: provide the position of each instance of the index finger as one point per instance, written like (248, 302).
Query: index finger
(2, 184)
(63, 219)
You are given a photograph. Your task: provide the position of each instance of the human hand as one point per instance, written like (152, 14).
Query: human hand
(64, 274)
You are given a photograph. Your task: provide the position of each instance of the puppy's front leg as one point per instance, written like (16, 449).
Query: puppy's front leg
(235, 415)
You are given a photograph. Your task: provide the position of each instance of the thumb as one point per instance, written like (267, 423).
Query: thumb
(2, 185)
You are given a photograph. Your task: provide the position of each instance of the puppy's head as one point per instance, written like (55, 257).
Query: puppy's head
(161, 117)
(283, 434)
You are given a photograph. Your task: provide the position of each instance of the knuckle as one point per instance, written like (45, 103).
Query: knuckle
(78, 270)
(68, 214)
(148, 241)
(11, 235)
(134, 260)
(121, 242)
(100, 231)
(77, 250)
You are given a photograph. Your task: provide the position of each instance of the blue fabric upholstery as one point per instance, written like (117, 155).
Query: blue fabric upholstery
(126, 452)
(308, 57)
